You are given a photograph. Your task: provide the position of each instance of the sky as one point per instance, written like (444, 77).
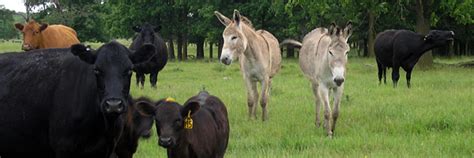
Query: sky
(16, 5)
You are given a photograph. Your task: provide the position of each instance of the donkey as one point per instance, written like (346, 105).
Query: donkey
(323, 58)
(259, 56)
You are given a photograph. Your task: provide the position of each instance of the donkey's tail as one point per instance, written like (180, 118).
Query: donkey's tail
(292, 42)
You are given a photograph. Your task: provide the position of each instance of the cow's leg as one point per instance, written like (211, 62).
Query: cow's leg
(252, 97)
(409, 76)
(380, 71)
(264, 100)
(323, 92)
(140, 79)
(137, 77)
(153, 79)
(337, 101)
(384, 75)
(317, 104)
(395, 74)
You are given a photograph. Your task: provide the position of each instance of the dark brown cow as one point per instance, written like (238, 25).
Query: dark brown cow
(209, 135)
(37, 36)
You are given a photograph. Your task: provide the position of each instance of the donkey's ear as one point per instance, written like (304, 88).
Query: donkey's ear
(237, 17)
(332, 29)
(223, 19)
(348, 30)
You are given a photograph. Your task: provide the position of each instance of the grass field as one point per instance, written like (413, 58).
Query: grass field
(434, 118)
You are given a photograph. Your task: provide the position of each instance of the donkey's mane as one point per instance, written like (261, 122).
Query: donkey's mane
(247, 21)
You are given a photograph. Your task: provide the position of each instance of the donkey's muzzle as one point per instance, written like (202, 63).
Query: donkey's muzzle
(226, 60)
(338, 81)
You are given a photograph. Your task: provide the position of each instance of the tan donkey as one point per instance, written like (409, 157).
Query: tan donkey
(323, 58)
(259, 56)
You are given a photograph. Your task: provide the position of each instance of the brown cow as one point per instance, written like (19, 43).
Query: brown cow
(37, 36)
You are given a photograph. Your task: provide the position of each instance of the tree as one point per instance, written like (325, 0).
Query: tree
(7, 31)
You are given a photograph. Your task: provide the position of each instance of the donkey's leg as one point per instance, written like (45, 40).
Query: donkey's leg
(265, 96)
(323, 92)
(337, 101)
(252, 97)
(318, 104)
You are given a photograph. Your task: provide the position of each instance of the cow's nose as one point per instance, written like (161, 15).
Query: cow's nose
(114, 105)
(165, 141)
(338, 81)
(26, 47)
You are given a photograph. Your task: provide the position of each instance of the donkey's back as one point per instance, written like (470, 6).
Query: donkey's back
(273, 50)
(312, 51)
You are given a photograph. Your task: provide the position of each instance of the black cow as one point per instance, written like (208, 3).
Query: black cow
(403, 48)
(208, 137)
(65, 102)
(147, 35)
(136, 126)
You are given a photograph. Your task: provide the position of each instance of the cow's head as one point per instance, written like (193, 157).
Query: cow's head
(169, 118)
(439, 37)
(112, 65)
(146, 34)
(31, 34)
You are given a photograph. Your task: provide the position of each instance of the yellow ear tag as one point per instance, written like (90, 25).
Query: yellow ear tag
(188, 121)
(169, 99)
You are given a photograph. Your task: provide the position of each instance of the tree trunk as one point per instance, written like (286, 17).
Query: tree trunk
(200, 48)
(171, 49)
(180, 47)
(210, 50)
(371, 35)
(185, 48)
(219, 47)
(366, 50)
(451, 50)
(423, 16)
(290, 51)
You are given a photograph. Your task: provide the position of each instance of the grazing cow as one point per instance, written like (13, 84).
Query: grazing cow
(136, 126)
(403, 48)
(38, 36)
(259, 56)
(323, 58)
(208, 135)
(65, 103)
(147, 35)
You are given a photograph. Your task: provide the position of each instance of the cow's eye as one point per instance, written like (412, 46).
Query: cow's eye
(177, 122)
(233, 37)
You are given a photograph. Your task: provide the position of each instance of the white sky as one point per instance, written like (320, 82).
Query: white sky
(16, 5)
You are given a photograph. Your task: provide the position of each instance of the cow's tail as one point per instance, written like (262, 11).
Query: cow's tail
(292, 42)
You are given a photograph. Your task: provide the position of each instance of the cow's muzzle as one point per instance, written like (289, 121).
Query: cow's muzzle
(165, 142)
(114, 105)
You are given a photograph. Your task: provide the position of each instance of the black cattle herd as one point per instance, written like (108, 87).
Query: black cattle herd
(76, 102)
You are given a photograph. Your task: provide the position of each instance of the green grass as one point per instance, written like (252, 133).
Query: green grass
(434, 118)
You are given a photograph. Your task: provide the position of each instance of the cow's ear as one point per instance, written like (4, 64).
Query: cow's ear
(145, 108)
(157, 28)
(190, 108)
(84, 53)
(137, 28)
(223, 19)
(143, 54)
(348, 30)
(19, 26)
(43, 27)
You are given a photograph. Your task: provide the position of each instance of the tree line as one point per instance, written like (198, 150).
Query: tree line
(185, 22)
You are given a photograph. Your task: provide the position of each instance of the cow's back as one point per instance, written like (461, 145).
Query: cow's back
(58, 36)
(383, 47)
(27, 85)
